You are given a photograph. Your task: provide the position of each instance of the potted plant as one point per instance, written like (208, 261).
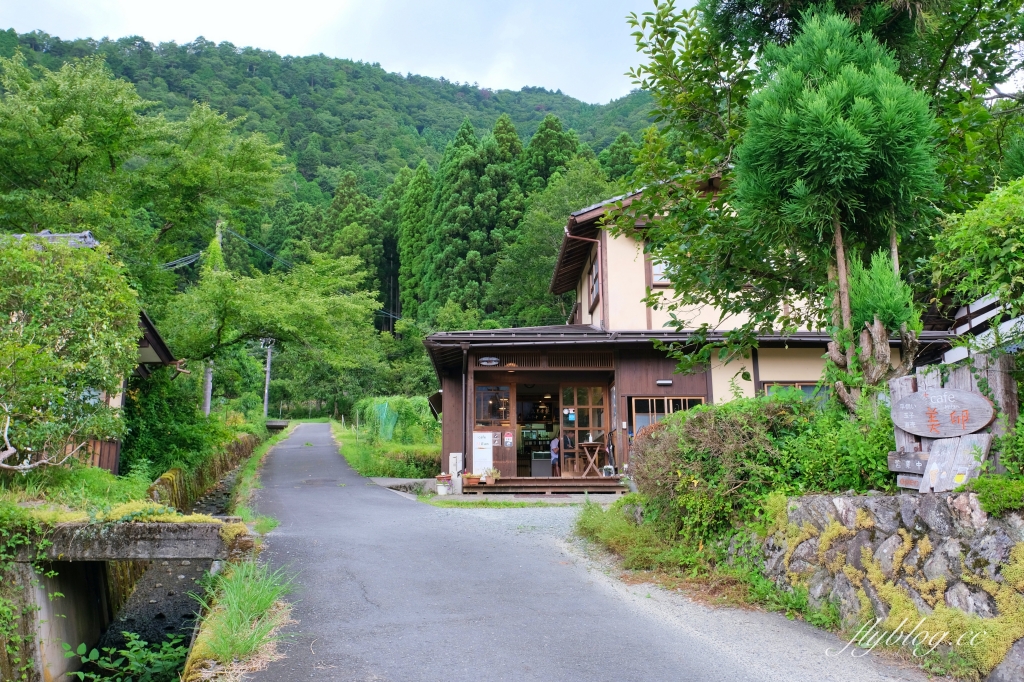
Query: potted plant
(470, 479)
(492, 475)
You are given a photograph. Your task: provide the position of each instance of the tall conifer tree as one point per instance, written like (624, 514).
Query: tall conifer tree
(356, 229)
(550, 149)
(415, 216)
(453, 220)
(390, 220)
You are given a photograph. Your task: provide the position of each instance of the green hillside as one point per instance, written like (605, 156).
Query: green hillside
(331, 113)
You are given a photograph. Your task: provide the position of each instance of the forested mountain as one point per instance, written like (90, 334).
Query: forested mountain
(330, 113)
(308, 200)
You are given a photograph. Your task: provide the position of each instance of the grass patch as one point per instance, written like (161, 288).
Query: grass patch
(265, 524)
(694, 570)
(77, 487)
(388, 460)
(243, 611)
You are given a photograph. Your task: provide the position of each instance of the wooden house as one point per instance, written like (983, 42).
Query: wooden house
(507, 393)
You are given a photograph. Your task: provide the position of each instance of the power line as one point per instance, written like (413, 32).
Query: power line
(182, 262)
(257, 247)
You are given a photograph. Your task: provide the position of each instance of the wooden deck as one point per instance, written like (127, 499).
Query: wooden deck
(609, 485)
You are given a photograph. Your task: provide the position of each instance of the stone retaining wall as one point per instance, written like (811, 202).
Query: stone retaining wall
(938, 556)
(180, 489)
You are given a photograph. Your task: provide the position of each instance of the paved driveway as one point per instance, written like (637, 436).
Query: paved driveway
(393, 589)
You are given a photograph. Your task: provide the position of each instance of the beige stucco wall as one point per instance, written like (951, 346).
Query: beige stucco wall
(790, 364)
(627, 285)
(722, 376)
(586, 317)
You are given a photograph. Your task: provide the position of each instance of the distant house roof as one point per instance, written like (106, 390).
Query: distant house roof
(76, 240)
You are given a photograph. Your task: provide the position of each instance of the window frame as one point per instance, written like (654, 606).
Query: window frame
(668, 407)
(594, 284)
(661, 282)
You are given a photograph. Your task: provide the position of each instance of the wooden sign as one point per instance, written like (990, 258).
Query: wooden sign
(908, 462)
(942, 412)
(970, 454)
(938, 475)
(912, 481)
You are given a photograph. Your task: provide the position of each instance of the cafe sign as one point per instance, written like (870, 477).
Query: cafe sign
(943, 412)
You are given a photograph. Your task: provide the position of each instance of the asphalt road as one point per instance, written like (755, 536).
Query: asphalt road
(393, 589)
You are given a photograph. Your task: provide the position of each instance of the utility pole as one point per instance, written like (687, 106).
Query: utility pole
(269, 345)
(207, 387)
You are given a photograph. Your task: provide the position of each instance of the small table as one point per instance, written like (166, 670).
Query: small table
(591, 450)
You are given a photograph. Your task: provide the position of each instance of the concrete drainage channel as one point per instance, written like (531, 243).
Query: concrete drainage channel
(161, 604)
(117, 577)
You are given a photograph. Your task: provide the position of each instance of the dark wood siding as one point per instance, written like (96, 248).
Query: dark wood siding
(637, 373)
(639, 370)
(451, 418)
(105, 454)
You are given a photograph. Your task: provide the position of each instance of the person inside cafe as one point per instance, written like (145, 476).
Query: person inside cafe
(556, 470)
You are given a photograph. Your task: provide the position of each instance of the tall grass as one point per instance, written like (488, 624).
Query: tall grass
(243, 609)
(388, 460)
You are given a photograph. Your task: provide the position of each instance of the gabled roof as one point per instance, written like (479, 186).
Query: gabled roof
(573, 253)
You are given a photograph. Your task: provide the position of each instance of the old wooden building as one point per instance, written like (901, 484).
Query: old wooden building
(506, 394)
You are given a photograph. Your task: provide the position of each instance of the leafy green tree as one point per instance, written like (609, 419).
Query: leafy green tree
(617, 159)
(519, 286)
(962, 53)
(981, 252)
(412, 240)
(68, 336)
(835, 162)
(550, 149)
(371, 122)
(76, 152)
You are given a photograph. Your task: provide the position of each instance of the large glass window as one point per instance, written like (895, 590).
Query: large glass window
(648, 411)
(492, 406)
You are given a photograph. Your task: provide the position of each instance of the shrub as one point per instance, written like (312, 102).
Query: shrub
(138, 661)
(705, 469)
(166, 428)
(999, 494)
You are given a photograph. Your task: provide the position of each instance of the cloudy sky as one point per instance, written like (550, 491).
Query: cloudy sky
(582, 47)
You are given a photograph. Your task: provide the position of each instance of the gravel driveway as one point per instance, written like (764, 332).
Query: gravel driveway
(393, 589)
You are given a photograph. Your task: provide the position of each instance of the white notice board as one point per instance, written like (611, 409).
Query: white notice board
(483, 452)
